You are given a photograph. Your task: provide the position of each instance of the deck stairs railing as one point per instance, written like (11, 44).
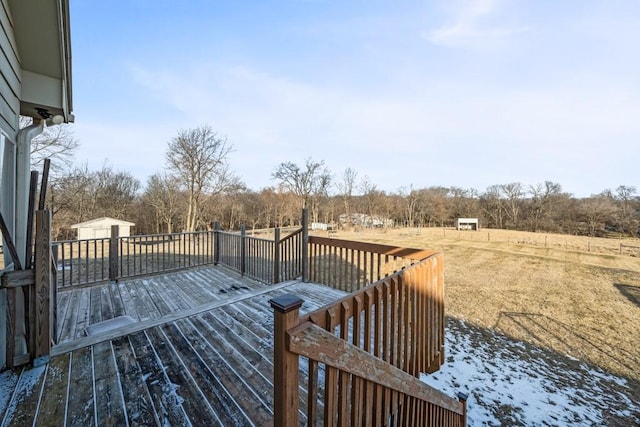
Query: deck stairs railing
(362, 355)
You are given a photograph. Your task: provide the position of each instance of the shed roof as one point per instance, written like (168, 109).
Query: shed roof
(105, 220)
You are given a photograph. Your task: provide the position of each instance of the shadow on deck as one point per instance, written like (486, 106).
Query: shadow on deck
(198, 349)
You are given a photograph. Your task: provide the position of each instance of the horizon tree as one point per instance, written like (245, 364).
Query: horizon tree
(199, 159)
(309, 182)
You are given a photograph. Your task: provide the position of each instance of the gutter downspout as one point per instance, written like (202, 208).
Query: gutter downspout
(18, 227)
(23, 177)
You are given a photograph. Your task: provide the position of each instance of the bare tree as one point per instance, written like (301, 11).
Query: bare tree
(114, 191)
(543, 196)
(411, 199)
(493, 206)
(345, 187)
(513, 193)
(596, 210)
(163, 193)
(309, 183)
(198, 158)
(81, 195)
(56, 143)
(628, 204)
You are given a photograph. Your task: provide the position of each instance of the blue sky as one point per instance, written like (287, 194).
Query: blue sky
(408, 93)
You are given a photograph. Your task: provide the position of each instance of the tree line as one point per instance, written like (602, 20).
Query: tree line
(198, 187)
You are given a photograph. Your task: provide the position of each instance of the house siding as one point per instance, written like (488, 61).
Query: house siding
(10, 81)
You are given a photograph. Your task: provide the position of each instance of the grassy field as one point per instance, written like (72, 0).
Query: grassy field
(582, 304)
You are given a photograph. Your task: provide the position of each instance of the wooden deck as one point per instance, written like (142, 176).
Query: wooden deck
(196, 349)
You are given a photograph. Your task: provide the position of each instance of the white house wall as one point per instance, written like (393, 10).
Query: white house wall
(10, 82)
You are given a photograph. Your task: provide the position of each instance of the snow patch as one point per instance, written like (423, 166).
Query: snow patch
(109, 325)
(508, 383)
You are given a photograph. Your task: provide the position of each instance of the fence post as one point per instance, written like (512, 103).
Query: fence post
(41, 318)
(305, 245)
(113, 254)
(54, 276)
(216, 243)
(285, 364)
(276, 256)
(243, 249)
(462, 397)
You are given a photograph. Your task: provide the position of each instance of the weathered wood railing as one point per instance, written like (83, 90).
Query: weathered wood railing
(31, 299)
(364, 352)
(95, 260)
(350, 265)
(269, 261)
(146, 254)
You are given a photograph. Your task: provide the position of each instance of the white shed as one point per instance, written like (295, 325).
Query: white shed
(467, 224)
(101, 228)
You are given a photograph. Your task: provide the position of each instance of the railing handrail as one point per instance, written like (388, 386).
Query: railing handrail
(396, 251)
(315, 343)
(373, 343)
(240, 236)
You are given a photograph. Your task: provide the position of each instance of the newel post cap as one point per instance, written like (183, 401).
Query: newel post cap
(286, 303)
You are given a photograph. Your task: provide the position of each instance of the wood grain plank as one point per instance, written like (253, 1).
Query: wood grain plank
(110, 409)
(54, 396)
(163, 393)
(62, 305)
(106, 304)
(144, 312)
(183, 384)
(117, 304)
(95, 307)
(137, 398)
(67, 330)
(176, 286)
(148, 303)
(232, 401)
(155, 294)
(80, 406)
(9, 380)
(258, 378)
(82, 319)
(22, 409)
(128, 304)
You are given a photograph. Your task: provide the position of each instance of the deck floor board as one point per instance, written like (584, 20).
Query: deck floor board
(211, 365)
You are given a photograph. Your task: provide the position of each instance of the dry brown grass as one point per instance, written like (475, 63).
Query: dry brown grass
(585, 305)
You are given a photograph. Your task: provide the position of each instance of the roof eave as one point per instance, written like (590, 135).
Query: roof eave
(43, 39)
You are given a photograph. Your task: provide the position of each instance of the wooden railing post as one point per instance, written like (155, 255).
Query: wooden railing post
(216, 243)
(285, 364)
(243, 249)
(462, 397)
(41, 329)
(305, 245)
(276, 256)
(113, 254)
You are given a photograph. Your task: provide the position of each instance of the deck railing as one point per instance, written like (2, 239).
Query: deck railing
(87, 261)
(364, 352)
(350, 265)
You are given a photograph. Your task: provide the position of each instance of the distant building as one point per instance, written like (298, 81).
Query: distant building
(101, 228)
(467, 224)
(364, 220)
